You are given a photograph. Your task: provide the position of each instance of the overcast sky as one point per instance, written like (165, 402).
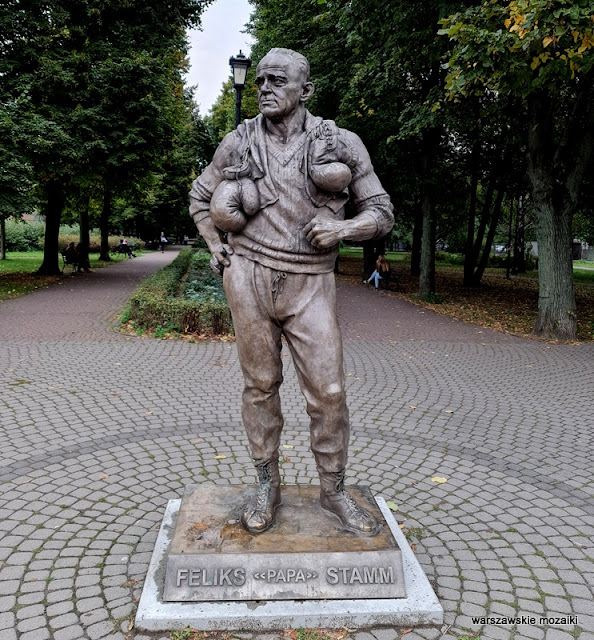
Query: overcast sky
(211, 48)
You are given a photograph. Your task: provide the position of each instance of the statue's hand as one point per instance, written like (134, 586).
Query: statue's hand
(220, 258)
(323, 233)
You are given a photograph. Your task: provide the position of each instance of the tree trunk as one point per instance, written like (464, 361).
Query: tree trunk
(427, 270)
(368, 258)
(469, 256)
(495, 214)
(519, 261)
(415, 256)
(104, 224)
(510, 223)
(557, 319)
(56, 199)
(2, 238)
(84, 225)
(427, 273)
(371, 250)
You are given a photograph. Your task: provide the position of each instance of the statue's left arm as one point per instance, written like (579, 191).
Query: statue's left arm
(374, 210)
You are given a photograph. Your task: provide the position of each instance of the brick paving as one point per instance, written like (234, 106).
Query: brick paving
(99, 430)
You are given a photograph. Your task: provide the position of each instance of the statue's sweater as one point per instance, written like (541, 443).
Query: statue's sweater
(289, 200)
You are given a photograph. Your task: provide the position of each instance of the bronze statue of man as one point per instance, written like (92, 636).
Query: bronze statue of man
(277, 185)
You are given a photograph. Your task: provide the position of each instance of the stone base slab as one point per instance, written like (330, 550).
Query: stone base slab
(306, 555)
(419, 608)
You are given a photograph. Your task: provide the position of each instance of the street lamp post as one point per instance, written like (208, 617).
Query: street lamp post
(239, 65)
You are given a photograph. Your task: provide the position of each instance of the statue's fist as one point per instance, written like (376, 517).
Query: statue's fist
(232, 202)
(325, 170)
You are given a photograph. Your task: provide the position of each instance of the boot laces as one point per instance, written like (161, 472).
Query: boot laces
(262, 497)
(351, 504)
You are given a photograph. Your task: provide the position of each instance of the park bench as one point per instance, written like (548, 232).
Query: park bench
(69, 261)
(124, 250)
(391, 280)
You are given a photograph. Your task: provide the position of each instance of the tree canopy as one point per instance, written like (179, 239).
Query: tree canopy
(469, 111)
(94, 91)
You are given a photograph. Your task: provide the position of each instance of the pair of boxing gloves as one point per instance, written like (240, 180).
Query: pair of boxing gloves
(237, 198)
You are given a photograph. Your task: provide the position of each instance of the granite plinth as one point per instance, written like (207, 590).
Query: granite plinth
(420, 607)
(307, 554)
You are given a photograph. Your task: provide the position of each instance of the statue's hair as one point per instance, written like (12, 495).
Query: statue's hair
(299, 59)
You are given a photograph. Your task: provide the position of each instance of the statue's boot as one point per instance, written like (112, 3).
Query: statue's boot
(339, 502)
(258, 514)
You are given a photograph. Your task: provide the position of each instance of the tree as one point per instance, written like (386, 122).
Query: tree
(101, 82)
(377, 70)
(221, 119)
(541, 52)
(16, 180)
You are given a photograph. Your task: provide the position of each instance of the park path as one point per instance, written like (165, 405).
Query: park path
(81, 306)
(99, 430)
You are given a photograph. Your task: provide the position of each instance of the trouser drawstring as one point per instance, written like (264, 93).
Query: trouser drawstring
(277, 284)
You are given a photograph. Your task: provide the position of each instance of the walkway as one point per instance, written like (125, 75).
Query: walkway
(99, 430)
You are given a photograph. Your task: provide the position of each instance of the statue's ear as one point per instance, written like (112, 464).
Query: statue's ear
(307, 91)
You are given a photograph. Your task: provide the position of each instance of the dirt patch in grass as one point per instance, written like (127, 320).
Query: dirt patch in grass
(510, 306)
(13, 285)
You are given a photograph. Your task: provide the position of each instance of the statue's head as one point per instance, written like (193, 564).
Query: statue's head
(282, 78)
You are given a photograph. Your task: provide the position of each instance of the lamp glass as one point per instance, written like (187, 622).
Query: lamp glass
(239, 64)
(239, 73)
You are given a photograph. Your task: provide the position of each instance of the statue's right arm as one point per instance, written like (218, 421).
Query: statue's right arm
(200, 195)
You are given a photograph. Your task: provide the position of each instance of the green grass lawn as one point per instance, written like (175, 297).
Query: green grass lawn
(391, 256)
(583, 264)
(17, 272)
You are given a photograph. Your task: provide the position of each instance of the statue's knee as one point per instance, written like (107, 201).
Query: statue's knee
(264, 383)
(332, 393)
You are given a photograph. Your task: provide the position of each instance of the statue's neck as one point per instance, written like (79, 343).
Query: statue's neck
(286, 130)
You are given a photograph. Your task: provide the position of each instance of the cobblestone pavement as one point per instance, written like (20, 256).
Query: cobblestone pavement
(100, 430)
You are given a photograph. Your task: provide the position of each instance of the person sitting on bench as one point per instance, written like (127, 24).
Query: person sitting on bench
(382, 271)
(124, 247)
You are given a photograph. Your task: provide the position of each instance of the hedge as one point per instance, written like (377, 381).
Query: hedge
(156, 305)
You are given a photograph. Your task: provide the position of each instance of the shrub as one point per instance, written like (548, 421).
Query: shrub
(449, 258)
(24, 236)
(156, 304)
(94, 241)
(202, 284)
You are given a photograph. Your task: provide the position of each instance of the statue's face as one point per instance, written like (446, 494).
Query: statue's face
(281, 86)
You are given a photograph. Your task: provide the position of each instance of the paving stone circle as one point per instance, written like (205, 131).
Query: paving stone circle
(99, 430)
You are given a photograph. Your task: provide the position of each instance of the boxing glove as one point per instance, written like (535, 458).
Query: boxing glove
(232, 202)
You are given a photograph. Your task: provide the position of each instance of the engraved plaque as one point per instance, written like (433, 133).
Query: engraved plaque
(305, 555)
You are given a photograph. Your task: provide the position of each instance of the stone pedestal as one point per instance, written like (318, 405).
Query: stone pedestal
(305, 555)
(208, 573)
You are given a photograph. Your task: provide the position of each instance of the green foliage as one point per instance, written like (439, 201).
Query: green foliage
(449, 258)
(310, 634)
(221, 119)
(24, 236)
(92, 99)
(519, 46)
(155, 305)
(202, 283)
